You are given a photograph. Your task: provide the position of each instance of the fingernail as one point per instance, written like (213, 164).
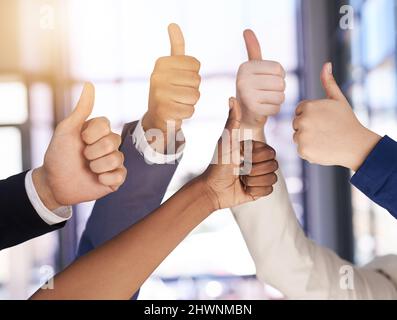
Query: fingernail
(329, 67)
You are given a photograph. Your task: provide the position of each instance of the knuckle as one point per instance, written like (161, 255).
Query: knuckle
(195, 63)
(86, 136)
(155, 78)
(93, 166)
(279, 68)
(114, 161)
(265, 154)
(297, 123)
(189, 112)
(160, 62)
(244, 66)
(104, 120)
(296, 138)
(275, 165)
(108, 145)
(87, 153)
(280, 97)
(118, 178)
(103, 124)
(197, 79)
(271, 150)
(118, 140)
(283, 84)
(268, 190)
(242, 82)
(308, 105)
(196, 96)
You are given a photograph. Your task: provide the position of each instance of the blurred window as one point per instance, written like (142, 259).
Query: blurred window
(374, 97)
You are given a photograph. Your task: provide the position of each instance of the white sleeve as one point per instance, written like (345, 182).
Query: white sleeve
(50, 217)
(287, 260)
(152, 156)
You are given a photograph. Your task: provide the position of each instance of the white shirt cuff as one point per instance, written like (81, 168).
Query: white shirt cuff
(152, 156)
(50, 217)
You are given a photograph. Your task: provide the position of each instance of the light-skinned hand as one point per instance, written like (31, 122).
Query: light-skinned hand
(82, 162)
(260, 86)
(174, 86)
(328, 132)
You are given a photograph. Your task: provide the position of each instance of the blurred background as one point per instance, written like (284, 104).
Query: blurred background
(48, 48)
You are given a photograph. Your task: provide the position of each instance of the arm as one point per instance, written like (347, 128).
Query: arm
(39, 201)
(118, 268)
(19, 220)
(377, 176)
(330, 124)
(283, 256)
(141, 193)
(286, 259)
(151, 147)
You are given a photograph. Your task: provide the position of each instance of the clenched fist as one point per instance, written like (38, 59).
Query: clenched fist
(260, 85)
(328, 132)
(82, 162)
(225, 183)
(174, 86)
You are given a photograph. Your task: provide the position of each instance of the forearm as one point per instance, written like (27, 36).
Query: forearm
(19, 219)
(377, 176)
(286, 259)
(118, 268)
(364, 142)
(141, 193)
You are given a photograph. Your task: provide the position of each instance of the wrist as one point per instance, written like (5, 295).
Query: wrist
(253, 121)
(362, 146)
(169, 131)
(150, 121)
(39, 178)
(205, 195)
(252, 132)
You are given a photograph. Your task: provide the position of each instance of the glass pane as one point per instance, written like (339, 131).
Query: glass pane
(41, 121)
(13, 103)
(378, 31)
(381, 87)
(11, 152)
(374, 98)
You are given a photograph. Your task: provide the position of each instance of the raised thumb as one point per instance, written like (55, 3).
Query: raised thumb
(234, 119)
(330, 86)
(85, 105)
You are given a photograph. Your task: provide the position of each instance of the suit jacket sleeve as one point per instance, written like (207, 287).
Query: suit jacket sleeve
(19, 221)
(286, 259)
(377, 177)
(141, 193)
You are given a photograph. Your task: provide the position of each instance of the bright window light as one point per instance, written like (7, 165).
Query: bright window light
(10, 152)
(13, 107)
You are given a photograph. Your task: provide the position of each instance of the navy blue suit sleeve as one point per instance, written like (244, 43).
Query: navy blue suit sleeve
(141, 194)
(19, 221)
(377, 177)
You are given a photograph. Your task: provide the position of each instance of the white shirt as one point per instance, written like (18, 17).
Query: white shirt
(139, 139)
(65, 213)
(287, 260)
